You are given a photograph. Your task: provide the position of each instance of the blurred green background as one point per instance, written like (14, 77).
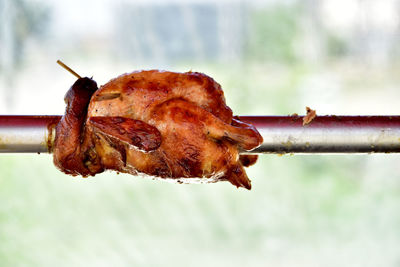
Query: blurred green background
(271, 58)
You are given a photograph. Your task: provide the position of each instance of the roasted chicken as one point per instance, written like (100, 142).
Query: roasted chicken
(162, 124)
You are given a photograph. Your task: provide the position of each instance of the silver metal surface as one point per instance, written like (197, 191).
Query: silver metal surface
(328, 134)
(27, 134)
(24, 139)
(325, 140)
(282, 134)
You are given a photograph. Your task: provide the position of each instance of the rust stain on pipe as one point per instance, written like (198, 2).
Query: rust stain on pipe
(51, 133)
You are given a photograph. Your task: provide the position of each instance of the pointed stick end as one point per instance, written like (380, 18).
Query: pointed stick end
(68, 69)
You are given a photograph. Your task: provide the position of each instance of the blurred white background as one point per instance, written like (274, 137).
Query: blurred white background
(271, 58)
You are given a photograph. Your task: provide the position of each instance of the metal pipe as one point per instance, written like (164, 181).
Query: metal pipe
(282, 134)
(328, 134)
(27, 134)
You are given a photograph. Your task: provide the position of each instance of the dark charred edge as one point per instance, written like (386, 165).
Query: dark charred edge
(248, 160)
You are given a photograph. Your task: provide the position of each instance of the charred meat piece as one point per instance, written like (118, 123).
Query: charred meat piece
(164, 124)
(310, 116)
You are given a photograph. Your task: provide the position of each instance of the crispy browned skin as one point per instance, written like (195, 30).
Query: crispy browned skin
(164, 124)
(70, 152)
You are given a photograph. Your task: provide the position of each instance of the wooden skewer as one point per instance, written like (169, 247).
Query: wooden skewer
(68, 69)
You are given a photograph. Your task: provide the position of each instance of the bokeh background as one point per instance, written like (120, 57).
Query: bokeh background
(272, 58)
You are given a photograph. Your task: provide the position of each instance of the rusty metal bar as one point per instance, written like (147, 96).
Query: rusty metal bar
(282, 134)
